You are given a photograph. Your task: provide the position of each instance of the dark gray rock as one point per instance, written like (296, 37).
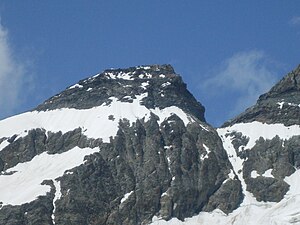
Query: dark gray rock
(164, 88)
(227, 198)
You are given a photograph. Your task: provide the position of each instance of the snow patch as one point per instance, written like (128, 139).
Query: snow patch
(94, 122)
(166, 84)
(280, 104)
(126, 196)
(231, 175)
(145, 84)
(24, 185)
(293, 104)
(56, 197)
(75, 86)
(3, 144)
(254, 174)
(268, 173)
(205, 156)
(255, 130)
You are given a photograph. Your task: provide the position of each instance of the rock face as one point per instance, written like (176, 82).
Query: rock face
(163, 161)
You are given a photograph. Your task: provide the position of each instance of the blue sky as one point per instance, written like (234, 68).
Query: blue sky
(228, 52)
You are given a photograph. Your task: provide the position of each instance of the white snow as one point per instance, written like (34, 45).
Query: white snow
(280, 104)
(145, 84)
(205, 156)
(24, 185)
(125, 76)
(143, 67)
(164, 194)
(254, 174)
(166, 84)
(96, 75)
(3, 144)
(126, 196)
(255, 130)
(89, 89)
(288, 103)
(293, 104)
(56, 197)
(75, 86)
(162, 76)
(268, 173)
(231, 175)
(94, 121)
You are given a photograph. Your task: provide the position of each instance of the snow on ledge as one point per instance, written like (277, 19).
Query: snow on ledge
(255, 130)
(75, 86)
(126, 196)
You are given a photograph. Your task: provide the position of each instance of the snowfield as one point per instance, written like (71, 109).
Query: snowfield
(94, 122)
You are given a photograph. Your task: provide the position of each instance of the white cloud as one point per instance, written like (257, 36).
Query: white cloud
(12, 76)
(295, 21)
(243, 77)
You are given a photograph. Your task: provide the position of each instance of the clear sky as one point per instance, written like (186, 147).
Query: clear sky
(228, 52)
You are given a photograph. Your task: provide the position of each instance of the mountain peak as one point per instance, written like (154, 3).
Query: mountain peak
(280, 105)
(157, 86)
(288, 84)
(140, 72)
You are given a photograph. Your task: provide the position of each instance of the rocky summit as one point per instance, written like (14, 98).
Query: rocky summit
(131, 146)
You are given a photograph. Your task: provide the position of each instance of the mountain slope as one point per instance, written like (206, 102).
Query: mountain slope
(120, 147)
